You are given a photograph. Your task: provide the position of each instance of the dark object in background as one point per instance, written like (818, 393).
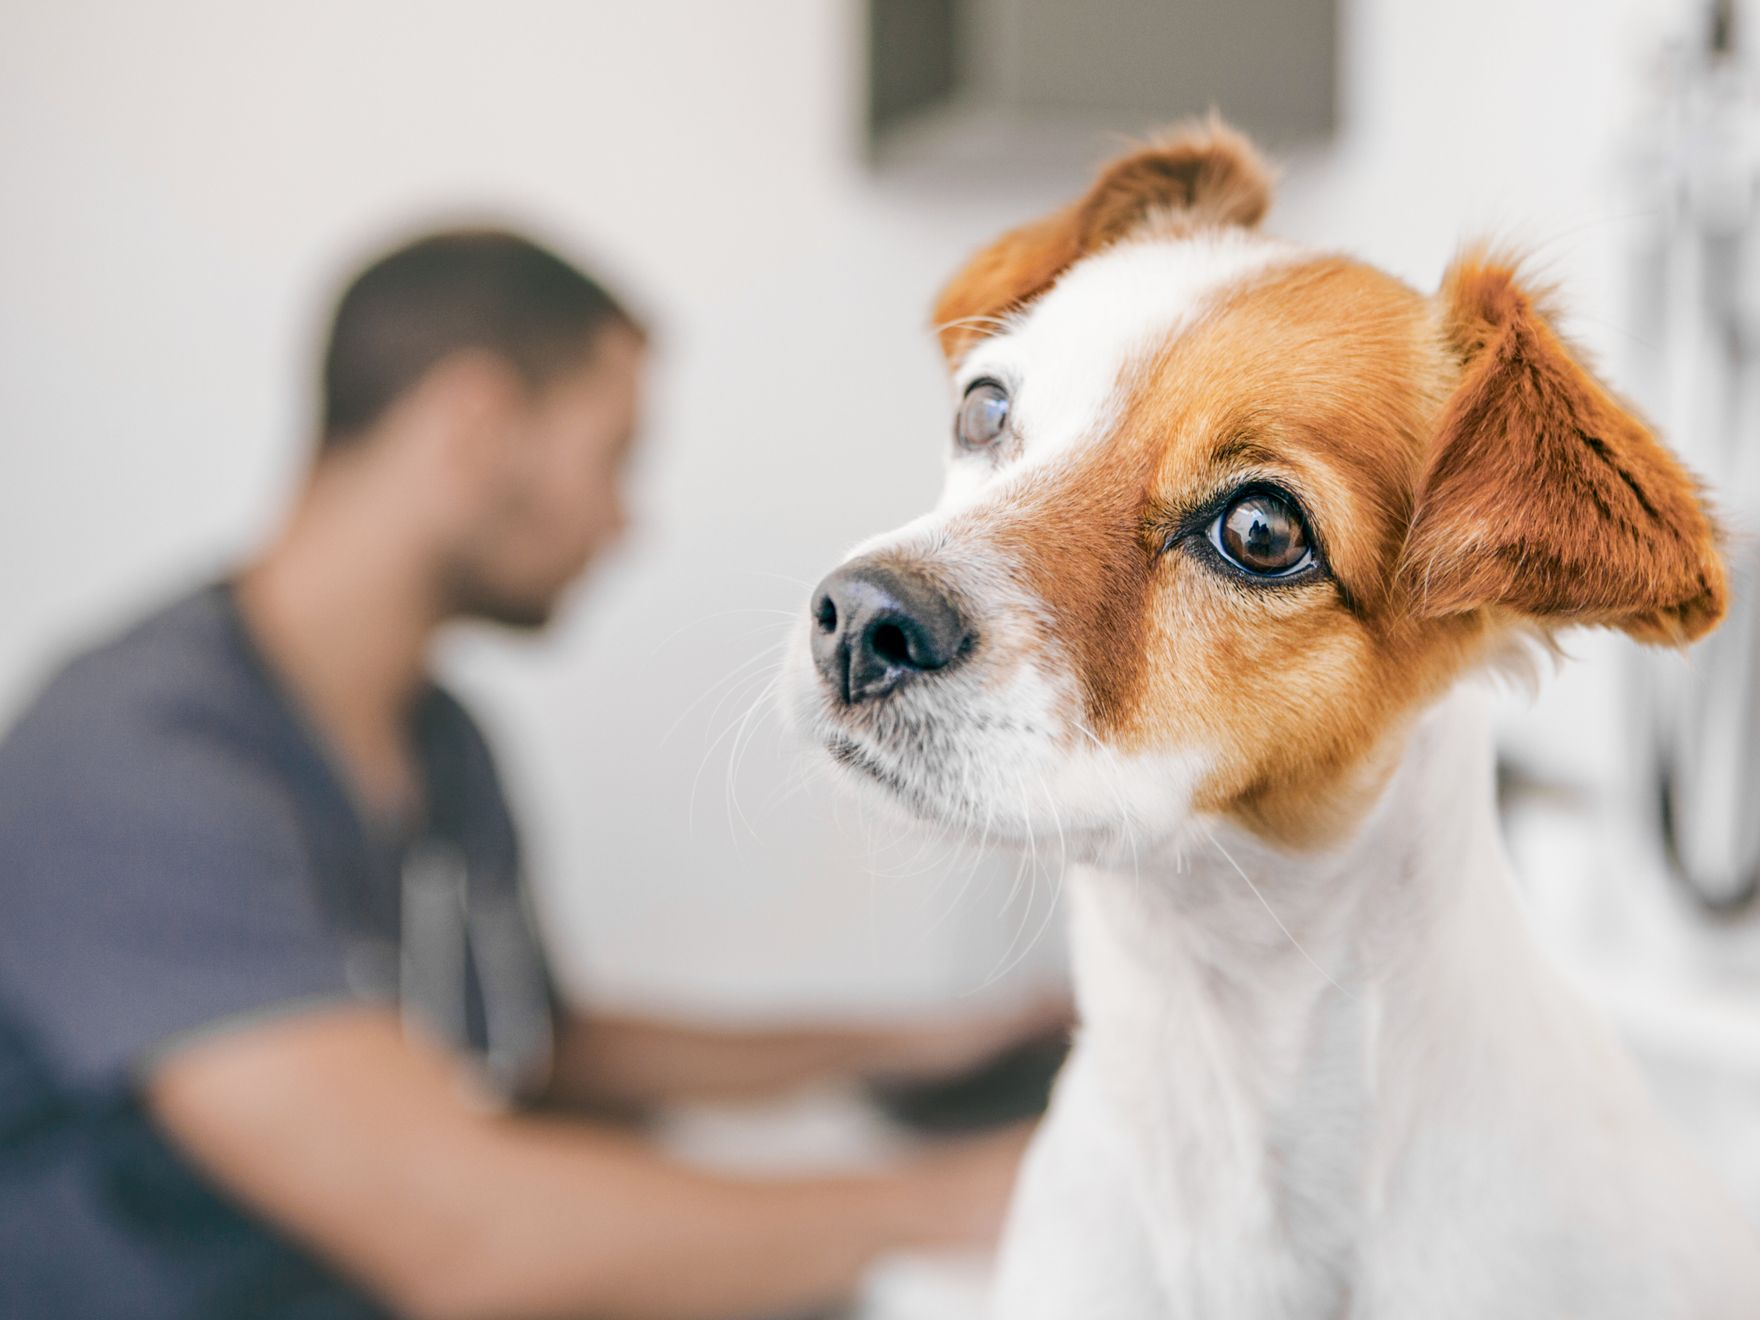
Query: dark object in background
(978, 90)
(915, 52)
(1696, 176)
(1012, 1087)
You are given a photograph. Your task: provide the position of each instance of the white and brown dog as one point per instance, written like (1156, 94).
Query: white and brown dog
(1227, 524)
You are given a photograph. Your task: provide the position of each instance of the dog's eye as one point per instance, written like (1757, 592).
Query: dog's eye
(983, 415)
(1262, 532)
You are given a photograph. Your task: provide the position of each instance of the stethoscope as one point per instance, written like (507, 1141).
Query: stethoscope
(452, 929)
(1705, 729)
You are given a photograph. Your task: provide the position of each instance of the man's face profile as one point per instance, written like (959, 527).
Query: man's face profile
(551, 497)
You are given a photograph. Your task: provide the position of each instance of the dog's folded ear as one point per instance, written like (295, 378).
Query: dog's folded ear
(1544, 495)
(1195, 175)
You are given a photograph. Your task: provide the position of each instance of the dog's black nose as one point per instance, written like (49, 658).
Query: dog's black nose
(875, 627)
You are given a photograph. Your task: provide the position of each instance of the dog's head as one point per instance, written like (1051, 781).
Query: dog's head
(1221, 515)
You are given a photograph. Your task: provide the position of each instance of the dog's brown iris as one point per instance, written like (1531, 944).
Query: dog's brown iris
(1263, 533)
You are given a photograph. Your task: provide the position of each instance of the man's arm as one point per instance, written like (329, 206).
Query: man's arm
(634, 1061)
(369, 1148)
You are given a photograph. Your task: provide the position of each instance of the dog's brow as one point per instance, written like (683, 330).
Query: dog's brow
(1244, 450)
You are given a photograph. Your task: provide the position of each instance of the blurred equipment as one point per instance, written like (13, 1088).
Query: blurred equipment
(1011, 1088)
(983, 88)
(1700, 290)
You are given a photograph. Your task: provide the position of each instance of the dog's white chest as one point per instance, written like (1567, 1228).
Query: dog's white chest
(1357, 1094)
(1244, 1175)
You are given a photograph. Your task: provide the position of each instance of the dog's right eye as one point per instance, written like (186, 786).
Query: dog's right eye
(1262, 532)
(983, 415)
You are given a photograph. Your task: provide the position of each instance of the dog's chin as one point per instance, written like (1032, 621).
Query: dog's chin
(873, 775)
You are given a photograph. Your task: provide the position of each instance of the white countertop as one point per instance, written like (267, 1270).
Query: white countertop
(833, 1130)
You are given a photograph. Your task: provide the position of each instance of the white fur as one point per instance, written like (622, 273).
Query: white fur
(1307, 1087)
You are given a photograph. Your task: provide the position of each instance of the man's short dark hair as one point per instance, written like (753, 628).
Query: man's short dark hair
(459, 289)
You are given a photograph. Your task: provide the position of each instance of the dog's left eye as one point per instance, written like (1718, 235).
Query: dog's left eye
(983, 415)
(1262, 532)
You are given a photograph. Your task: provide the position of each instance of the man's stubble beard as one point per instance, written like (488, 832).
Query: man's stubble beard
(466, 593)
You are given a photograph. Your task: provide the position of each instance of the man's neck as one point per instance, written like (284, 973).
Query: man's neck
(345, 613)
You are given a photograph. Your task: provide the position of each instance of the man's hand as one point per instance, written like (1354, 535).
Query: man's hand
(960, 1194)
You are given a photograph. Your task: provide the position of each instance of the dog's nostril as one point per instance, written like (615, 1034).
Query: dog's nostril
(889, 643)
(873, 626)
(825, 613)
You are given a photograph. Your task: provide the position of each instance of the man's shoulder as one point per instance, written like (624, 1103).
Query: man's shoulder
(170, 679)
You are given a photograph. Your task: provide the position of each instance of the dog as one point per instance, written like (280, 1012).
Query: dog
(1230, 531)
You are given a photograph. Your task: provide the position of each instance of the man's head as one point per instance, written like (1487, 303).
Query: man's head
(497, 386)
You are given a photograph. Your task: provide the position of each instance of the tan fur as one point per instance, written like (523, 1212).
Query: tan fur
(1547, 496)
(1201, 173)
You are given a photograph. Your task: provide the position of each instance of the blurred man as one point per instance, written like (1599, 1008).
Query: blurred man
(266, 978)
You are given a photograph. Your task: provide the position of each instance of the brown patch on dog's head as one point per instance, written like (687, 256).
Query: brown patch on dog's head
(1322, 379)
(1545, 496)
(1200, 174)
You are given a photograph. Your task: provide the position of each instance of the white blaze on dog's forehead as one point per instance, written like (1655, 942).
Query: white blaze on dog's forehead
(1064, 362)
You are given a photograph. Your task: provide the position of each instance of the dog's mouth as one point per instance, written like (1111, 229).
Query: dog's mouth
(933, 799)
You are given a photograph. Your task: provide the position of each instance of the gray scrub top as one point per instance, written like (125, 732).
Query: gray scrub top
(178, 854)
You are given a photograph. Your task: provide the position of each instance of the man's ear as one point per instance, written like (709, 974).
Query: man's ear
(1198, 174)
(1544, 495)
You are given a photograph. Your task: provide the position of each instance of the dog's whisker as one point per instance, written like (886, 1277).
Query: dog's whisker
(910, 868)
(737, 690)
(741, 745)
(701, 619)
(763, 707)
(1012, 959)
(806, 773)
(964, 885)
(964, 812)
(767, 653)
(763, 676)
(978, 858)
(986, 822)
(1030, 870)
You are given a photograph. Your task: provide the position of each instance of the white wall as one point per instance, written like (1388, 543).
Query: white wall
(182, 181)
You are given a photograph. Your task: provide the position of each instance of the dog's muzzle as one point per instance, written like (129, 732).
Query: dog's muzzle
(877, 626)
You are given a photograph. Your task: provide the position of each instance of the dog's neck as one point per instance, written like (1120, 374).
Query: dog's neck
(1273, 1019)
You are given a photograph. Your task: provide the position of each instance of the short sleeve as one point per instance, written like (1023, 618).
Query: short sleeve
(153, 883)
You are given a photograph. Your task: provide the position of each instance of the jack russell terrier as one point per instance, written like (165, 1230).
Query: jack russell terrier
(1227, 524)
